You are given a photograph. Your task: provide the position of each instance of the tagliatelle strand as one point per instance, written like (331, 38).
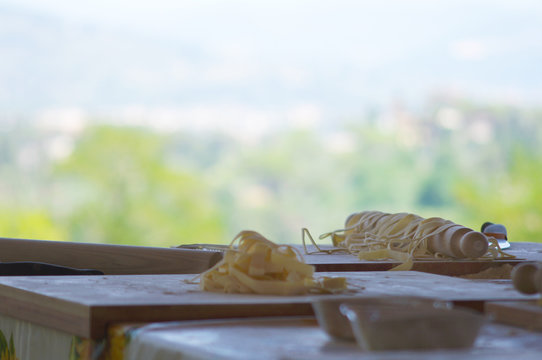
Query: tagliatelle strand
(257, 265)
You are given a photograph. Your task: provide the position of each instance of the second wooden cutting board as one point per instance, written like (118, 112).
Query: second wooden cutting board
(84, 305)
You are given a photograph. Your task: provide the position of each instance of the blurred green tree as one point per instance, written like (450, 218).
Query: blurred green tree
(512, 198)
(129, 185)
(118, 187)
(29, 224)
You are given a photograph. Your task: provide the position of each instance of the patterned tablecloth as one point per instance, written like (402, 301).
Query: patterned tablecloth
(21, 340)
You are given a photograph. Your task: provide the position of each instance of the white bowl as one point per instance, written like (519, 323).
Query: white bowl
(384, 327)
(336, 324)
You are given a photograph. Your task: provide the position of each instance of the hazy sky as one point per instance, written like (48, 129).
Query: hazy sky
(331, 54)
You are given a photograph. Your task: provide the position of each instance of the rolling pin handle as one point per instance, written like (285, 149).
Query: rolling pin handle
(525, 277)
(473, 244)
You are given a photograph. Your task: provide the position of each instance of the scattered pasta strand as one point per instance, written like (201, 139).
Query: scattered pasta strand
(257, 265)
(374, 235)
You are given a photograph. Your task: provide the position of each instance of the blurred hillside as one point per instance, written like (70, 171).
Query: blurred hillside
(171, 122)
(127, 184)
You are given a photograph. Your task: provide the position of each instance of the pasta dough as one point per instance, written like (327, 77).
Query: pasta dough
(257, 265)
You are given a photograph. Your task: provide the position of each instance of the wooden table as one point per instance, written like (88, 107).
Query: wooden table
(85, 306)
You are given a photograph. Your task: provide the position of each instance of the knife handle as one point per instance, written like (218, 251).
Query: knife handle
(20, 268)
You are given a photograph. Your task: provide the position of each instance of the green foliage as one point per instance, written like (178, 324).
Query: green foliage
(119, 189)
(513, 198)
(29, 224)
(128, 185)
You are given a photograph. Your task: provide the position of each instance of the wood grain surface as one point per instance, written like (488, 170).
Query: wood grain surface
(84, 305)
(523, 252)
(526, 313)
(125, 259)
(322, 262)
(110, 259)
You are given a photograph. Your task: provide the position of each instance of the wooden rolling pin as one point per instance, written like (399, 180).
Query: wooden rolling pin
(456, 241)
(459, 242)
(527, 277)
(109, 259)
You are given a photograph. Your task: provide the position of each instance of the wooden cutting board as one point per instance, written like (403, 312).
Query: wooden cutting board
(523, 252)
(107, 258)
(525, 313)
(483, 269)
(84, 305)
(336, 262)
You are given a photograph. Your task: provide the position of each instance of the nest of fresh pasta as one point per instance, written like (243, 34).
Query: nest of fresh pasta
(405, 237)
(254, 264)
